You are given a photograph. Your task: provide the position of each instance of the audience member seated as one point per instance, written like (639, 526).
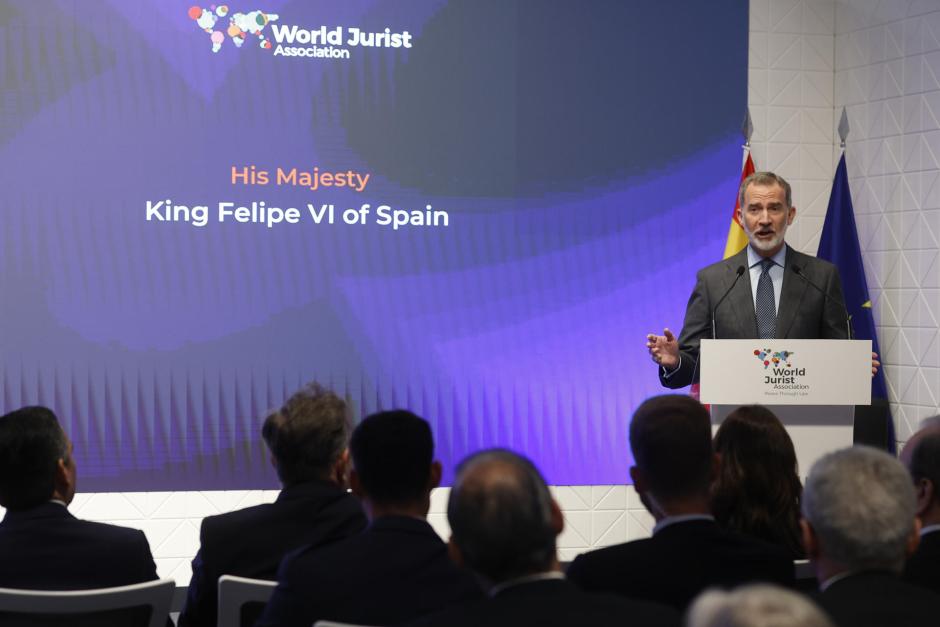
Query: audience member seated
(757, 490)
(755, 605)
(858, 527)
(42, 545)
(398, 569)
(504, 524)
(921, 456)
(670, 437)
(308, 440)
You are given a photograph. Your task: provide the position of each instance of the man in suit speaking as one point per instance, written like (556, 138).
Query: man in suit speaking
(768, 290)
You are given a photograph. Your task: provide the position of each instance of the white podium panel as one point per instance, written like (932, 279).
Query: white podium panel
(786, 372)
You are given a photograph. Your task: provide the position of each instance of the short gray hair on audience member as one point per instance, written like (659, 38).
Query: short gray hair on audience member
(501, 518)
(860, 503)
(308, 434)
(758, 605)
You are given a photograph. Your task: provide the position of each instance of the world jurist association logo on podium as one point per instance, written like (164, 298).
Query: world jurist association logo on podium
(783, 375)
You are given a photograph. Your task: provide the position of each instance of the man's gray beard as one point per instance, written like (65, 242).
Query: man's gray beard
(764, 246)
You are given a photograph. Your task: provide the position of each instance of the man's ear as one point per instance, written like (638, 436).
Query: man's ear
(636, 475)
(810, 541)
(791, 214)
(642, 490)
(339, 474)
(558, 519)
(640, 484)
(913, 539)
(64, 482)
(454, 551)
(926, 492)
(434, 477)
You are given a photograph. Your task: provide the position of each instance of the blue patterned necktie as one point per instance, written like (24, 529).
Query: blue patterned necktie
(765, 307)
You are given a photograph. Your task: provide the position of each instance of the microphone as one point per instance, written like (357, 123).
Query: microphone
(738, 272)
(848, 320)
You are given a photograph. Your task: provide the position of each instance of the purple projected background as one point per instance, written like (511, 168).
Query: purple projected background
(587, 156)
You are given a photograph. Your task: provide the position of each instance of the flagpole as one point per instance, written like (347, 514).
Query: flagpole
(747, 129)
(843, 129)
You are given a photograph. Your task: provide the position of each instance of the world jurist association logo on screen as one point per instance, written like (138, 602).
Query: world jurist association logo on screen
(290, 40)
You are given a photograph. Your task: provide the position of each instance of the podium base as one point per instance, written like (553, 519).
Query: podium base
(814, 429)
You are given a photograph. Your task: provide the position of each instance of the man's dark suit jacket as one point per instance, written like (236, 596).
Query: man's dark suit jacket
(395, 571)
(879, 599)
(680, 561)
(923, 568)
(802, 313)
(553, 603)
(251, 542)
(47, 548)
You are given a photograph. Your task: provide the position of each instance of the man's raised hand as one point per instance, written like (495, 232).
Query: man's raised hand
(664, 349)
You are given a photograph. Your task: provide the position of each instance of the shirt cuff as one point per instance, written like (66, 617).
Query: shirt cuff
(668, 373)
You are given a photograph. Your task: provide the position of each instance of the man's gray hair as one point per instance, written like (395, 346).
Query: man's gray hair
(308, 434)
(758, 605)
(765, 179)
(861, 505)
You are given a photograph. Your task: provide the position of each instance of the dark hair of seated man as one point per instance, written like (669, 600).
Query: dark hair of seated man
(33, 451)
(671, 440)
(393, 462)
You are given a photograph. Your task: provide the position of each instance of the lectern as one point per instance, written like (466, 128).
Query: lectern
(811, 385)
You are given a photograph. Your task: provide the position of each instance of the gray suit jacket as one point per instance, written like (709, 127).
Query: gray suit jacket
(803, 312)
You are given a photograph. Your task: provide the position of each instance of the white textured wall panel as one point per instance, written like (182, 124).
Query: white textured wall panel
(887, 64)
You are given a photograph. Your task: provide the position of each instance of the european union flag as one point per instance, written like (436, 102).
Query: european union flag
(839, 244)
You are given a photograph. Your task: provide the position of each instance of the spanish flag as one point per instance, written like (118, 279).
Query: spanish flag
(737, 240)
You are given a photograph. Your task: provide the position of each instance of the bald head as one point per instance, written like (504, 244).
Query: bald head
(502, 516)
(921, 457)
(928, 426)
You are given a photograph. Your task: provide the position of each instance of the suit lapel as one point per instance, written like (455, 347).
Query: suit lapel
(791, 295)
(740, 300)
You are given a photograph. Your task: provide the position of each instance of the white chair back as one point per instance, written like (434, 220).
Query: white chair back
(157, 595)
(234, 592)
